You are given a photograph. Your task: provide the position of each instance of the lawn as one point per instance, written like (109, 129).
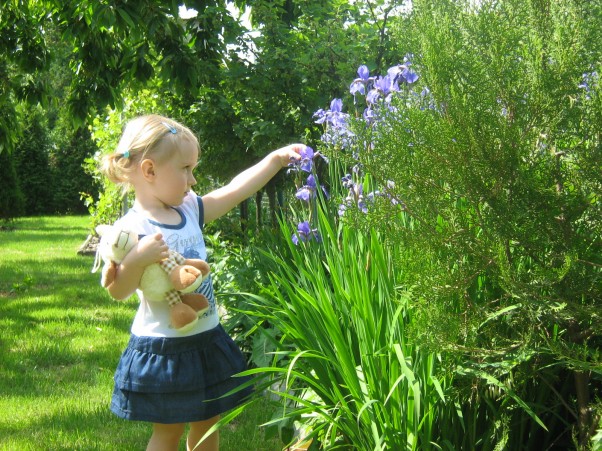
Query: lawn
(60, 338)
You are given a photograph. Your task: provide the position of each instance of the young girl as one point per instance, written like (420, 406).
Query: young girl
(166, 376)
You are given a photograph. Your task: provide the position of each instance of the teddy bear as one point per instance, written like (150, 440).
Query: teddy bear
(172, 280)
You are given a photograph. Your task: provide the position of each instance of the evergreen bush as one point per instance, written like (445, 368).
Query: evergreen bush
(497, 167)
(32, 164)
(12, 202)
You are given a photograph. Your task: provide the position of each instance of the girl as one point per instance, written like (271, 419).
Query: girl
(166, 376)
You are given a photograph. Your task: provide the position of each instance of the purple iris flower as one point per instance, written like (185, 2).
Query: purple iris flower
(304, 193)
(347, 181)
(402, 73)
(307, 156)
(386, 193)
(363, 72)
(372, 96)
(308, 191)
(385, 84)
(340, 136)
(334, 116)
(355, 196)
(337, 131)
(370, 115)
(302, 233)
(383, 87)
(320, 115)
(336, 105)
(337, 117)
(410, 77)
(305, 233)
(359, 84)
(358, 191)
(589, 79)
(304, 163)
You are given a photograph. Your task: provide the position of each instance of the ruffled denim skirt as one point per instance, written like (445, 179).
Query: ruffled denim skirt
(179, 380)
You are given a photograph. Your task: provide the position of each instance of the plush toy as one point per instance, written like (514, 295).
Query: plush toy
(172, 280)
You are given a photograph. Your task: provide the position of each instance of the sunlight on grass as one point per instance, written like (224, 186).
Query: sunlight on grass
(61, 337)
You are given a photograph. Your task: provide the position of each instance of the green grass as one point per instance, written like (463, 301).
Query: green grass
(61, 336)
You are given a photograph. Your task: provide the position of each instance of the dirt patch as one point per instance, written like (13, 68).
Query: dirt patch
(90, 245)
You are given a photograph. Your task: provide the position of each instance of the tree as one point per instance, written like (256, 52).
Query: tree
(32, 164)
(70, 182)
(24, 57)
(11, 196)
(112, 47)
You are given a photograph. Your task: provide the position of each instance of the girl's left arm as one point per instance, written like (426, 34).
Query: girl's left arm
(219, 202)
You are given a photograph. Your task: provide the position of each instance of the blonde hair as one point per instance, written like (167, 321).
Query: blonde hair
(152, 136)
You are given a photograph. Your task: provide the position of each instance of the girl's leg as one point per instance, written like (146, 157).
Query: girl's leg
(198, 430)
(165, 437)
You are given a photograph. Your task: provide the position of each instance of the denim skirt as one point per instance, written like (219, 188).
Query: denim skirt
(179, 380)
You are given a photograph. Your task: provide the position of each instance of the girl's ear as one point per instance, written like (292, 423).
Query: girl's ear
(147, 167)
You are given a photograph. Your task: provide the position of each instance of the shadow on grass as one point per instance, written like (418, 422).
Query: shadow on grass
(55, 316)
(77, 428)
(10, 240)
(50, 223)
(54, 273)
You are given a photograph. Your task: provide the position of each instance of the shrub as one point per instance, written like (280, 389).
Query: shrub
(32, 164)
(11, 198)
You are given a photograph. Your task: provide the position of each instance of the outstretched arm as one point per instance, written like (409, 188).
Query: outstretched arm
(219, 202)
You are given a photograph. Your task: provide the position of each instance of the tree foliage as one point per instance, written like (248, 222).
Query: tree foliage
(112, 46)
(31, 158)
(244, 93)
(11, 196)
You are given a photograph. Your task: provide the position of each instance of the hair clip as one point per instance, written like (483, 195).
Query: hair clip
(126, 154)
(171, 128)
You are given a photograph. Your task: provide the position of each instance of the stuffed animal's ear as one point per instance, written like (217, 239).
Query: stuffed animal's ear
(108, 274)
(102, 229)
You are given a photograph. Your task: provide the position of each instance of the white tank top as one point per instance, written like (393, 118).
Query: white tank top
(152, 318)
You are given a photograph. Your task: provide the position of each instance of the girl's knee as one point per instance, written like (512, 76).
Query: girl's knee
(168, 432)
(198, 429)
(205, 424)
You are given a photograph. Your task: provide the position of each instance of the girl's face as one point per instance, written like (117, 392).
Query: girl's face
(173, 177)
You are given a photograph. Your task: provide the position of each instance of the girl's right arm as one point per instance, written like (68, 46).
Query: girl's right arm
(150, 249)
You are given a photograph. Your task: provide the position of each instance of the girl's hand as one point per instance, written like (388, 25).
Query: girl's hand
(150, 249)
(289, 153)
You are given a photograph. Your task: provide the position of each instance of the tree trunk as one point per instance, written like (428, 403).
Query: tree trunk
(271, 191)
(258, 209)
(244, 217)
(585, 425)
(584, 419)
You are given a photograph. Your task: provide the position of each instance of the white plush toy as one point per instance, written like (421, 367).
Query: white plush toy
(172, 280)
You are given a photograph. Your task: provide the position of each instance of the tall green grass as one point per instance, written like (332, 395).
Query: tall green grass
(60, 339)
(343, 359)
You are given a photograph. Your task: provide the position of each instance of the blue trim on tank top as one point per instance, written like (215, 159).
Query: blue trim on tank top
(168, 226)
(199, 201)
